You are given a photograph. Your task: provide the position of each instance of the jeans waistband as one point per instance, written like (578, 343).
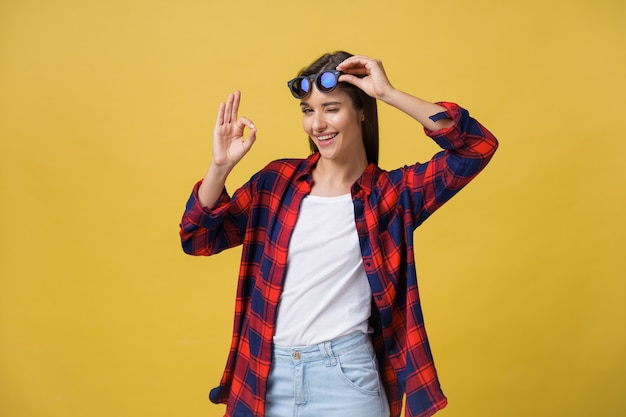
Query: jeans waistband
(325, 350)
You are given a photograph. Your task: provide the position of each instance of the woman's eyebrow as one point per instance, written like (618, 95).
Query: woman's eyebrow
(328, 103)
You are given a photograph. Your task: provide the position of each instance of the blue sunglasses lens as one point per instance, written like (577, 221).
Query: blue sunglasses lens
(300, 87)
(327, 81)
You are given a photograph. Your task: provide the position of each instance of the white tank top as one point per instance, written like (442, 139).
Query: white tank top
(326, 293)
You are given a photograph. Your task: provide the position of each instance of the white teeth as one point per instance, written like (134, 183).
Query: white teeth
(326, 137)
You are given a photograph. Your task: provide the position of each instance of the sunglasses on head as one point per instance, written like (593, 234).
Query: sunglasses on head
(325, 82)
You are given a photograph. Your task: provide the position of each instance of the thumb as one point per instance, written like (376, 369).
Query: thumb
(249, 140)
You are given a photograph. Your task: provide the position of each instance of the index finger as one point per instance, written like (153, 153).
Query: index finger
(220, 115)
(355, 65)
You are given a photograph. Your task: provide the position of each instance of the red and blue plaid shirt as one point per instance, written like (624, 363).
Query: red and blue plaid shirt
(388, 207)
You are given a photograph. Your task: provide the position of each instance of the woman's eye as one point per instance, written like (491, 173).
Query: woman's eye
(332, 110)
(306, 110)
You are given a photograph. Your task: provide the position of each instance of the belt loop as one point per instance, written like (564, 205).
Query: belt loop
(327, 351)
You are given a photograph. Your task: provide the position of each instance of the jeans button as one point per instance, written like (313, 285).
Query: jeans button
(296, 356)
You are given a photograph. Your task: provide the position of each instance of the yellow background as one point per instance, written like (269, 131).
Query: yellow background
(106, 114)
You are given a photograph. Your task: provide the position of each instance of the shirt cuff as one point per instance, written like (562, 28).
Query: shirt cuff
(441, 115)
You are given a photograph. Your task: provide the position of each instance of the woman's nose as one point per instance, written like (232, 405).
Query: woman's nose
(319, 122)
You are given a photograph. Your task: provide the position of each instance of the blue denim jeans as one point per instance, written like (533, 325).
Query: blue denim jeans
(338, 378)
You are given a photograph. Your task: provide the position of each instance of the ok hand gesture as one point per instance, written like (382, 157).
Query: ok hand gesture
(229, 145)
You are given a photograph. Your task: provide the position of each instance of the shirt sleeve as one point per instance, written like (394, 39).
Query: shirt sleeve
(467, 148)
(207, 231)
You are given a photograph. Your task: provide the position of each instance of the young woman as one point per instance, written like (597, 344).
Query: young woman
(328, 319)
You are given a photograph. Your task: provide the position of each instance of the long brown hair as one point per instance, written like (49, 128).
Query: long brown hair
(360, 101)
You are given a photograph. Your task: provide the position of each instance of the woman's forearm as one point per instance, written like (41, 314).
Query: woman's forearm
(418, 109)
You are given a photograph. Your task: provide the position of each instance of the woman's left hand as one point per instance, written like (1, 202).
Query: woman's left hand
(366, 73)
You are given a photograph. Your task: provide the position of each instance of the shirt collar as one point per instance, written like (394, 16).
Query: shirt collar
(305, 168)
(366, 181)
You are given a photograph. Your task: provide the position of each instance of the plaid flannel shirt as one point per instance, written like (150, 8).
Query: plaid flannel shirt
(388, 206)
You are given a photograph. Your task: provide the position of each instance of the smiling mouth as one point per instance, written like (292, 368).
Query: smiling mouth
(326, 137)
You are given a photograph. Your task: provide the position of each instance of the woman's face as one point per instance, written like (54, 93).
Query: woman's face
(334, 125)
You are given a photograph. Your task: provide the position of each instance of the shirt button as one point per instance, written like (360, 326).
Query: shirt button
(296, 356)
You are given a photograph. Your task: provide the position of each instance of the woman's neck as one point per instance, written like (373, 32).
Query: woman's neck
(331, 179)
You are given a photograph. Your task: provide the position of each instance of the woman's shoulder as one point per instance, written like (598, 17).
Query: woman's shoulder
(287, 166)
(279, 164)
(398, 178)
(282, 171)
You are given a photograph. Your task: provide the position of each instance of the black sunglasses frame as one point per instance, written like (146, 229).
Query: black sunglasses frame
(317, 80)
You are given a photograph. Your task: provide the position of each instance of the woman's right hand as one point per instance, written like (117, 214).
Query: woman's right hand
(229, 145)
